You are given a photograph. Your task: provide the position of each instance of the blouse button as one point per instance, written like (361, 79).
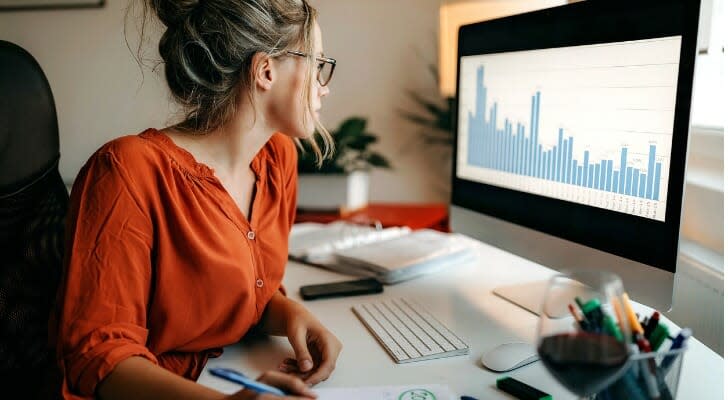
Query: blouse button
(259, 283)
(251, 235)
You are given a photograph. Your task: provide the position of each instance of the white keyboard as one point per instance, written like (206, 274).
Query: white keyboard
(408, 332)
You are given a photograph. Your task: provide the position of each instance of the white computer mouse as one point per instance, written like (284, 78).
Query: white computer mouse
(509, 356)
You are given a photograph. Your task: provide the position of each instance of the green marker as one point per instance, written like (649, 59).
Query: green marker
(611, 327)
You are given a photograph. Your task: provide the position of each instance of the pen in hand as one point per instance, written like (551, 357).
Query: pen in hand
(250, 384)
(293, 386)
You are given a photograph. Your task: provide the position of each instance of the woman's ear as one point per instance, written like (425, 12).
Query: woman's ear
(263, 71)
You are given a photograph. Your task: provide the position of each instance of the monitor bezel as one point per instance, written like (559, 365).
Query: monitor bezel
(647, 241)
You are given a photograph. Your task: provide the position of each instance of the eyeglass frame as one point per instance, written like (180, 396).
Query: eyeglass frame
(320, 59)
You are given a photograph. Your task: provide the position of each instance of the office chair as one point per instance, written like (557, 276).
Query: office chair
(33, 205)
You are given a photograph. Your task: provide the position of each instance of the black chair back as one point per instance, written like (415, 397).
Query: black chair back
(33, 205)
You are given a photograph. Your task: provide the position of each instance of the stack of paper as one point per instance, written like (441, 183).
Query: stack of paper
(391, 255)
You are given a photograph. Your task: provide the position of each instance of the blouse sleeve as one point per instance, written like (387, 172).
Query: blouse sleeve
(107, 278)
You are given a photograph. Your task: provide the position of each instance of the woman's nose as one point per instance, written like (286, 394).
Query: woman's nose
(324, 91)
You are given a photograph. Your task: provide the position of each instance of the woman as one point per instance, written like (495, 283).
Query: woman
(177, 239)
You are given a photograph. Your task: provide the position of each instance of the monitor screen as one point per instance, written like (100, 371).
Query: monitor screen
(572, 122)
(587, 124)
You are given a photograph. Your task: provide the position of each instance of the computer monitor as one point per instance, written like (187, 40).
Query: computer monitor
(572, 130)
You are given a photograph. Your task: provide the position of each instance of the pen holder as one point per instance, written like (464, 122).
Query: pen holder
(648, 376)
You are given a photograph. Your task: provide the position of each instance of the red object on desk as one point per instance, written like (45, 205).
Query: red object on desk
(416, 216)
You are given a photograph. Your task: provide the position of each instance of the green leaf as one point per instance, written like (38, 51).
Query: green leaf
(378, 160)
(351, 127)
(431, 107)
(417, 119)
(362, 142)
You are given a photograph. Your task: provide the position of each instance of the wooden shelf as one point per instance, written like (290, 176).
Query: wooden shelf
(415, 216)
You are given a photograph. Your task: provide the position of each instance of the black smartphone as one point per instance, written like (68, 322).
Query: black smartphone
(340, 289)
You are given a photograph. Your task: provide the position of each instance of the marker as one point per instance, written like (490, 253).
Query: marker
(583, 324)
(611, 328)
(520, 390)
(592, 311)
(658, 336)
(652, 324)
(648, 369)
(634, 323)
(677, 343)
(250, 384)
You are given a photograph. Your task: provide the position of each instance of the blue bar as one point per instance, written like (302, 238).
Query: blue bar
(650, 172)
(591, 175)
(539, 166)
(573, 172)
(584, 181)
(552, 166)
(603, 176)
(527, 157)
(569, 159)
(615, 181)
(579, 174)
(493, 132)
(494, 149)
(517, 158)
(635, 181)
(506, 146)
(538, 117)
(656, 191)
(522, 149)
(548, 164)
(560, 153)
(623, 170)
(597, 176)
(564, 161)
(608, 185)
(532, 127)
(628, 181)
(498, 148)
(512, 150)
(502, 147)
(643, 181)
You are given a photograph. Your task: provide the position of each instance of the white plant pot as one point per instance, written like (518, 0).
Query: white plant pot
(333, 192)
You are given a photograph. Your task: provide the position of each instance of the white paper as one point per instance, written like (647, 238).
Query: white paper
(408, 392)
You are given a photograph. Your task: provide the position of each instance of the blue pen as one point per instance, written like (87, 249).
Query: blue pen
(677, 343)
(250, 384)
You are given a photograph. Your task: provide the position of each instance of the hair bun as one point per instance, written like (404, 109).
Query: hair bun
(172, 12)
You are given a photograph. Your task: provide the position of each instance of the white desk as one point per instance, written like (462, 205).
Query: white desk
(462, 299)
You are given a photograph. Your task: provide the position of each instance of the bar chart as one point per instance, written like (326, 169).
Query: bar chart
(573, 124)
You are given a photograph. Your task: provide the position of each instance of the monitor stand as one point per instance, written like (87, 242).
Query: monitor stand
(525, 295)
(530, 297)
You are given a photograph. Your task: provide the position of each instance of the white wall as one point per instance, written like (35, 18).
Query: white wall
(382, 47)
(95, 80)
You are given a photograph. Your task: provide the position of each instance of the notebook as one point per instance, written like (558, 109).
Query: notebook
(391, 255)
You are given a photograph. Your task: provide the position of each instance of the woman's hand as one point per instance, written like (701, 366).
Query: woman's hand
(316, 348)
(288, 383)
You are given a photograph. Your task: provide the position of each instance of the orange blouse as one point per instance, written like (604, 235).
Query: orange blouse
(160, 262)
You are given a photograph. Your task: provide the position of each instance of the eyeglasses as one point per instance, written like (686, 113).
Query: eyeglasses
(325, 67)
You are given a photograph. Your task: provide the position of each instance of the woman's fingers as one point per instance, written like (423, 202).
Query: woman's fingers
(288, 383)
(329, 348)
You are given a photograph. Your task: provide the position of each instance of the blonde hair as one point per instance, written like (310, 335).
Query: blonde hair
(208, 47)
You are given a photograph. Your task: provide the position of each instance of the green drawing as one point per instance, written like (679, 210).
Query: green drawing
(417, 394)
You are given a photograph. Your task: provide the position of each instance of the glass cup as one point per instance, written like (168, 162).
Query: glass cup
(583, 338)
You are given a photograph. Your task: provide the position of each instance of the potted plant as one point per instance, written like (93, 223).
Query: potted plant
(341, 183)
